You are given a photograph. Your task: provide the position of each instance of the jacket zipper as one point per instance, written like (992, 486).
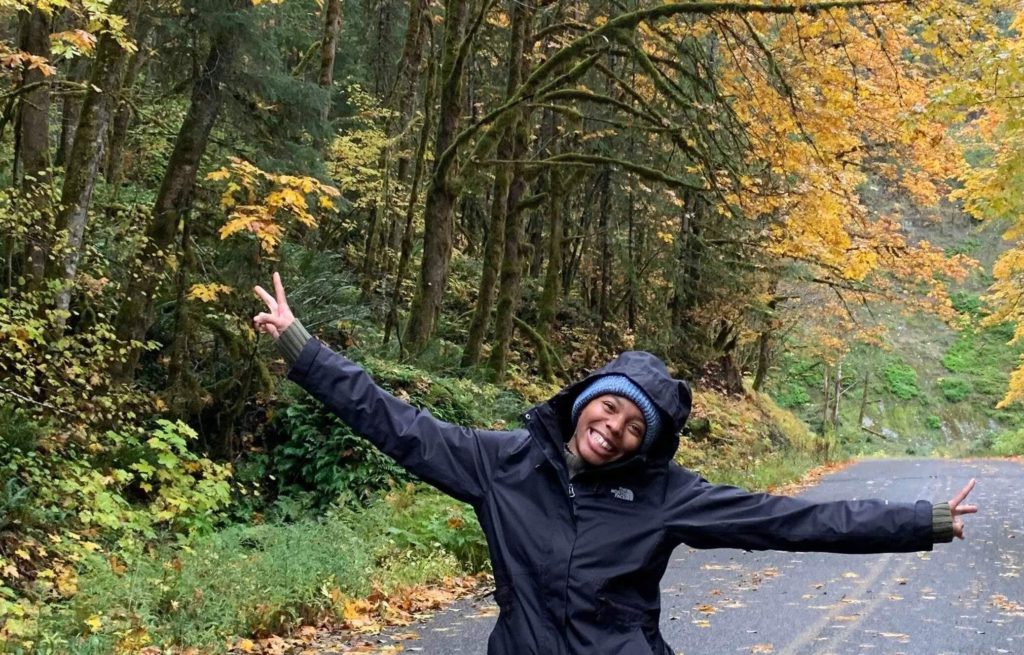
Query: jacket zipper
(572, 552)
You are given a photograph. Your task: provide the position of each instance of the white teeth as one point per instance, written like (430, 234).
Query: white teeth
(601, 441)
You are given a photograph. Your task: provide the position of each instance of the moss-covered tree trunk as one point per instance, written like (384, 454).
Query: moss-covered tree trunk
(391, 322)
(71, 111)
(33, 143)
(123, 116)
(403, 96)
(437, 213)
(519, 136)
(492, 257)
(328, 52)
(511, 275)
(175, 196)
(86, 153)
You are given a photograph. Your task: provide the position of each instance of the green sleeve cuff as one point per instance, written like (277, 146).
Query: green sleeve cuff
(292, 340)
(942, 523)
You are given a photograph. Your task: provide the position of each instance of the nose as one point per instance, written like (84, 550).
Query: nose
(616, 424)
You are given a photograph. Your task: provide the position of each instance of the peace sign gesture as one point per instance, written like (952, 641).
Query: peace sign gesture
(958, 509)
(280, 315)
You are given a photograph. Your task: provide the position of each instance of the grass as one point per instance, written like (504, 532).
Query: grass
(263, 579)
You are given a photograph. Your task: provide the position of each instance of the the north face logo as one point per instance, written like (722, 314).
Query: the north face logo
(623, 493)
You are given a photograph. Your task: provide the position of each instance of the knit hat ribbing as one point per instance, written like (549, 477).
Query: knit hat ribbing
(620, 385)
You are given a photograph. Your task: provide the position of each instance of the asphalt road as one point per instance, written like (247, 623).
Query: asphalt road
(963, 598)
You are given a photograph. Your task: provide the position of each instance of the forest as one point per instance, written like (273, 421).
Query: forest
(811, 210)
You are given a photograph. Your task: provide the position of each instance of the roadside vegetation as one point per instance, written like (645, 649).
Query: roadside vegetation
(480, 202)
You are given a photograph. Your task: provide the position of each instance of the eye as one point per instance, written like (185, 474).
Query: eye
(637, 429)
(609, 406)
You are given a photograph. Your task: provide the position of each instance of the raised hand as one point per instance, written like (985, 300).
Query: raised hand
(277, 320)
(959, 510)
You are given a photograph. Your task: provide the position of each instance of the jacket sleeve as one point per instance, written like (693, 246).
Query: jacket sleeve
(457, 460)
(703, 515)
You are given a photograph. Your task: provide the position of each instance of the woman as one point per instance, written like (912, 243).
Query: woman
(583, 507)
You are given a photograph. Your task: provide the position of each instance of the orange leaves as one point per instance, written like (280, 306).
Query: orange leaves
(20, 59)
(258, 201)
(72, 43)
(359, 618)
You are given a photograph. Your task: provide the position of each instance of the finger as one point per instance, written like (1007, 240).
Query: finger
(265, 324)
(279, 290)
(959, 498)
(267, 298)
(966, 509)
(958, 529)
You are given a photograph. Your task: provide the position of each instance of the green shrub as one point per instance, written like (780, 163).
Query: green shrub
(1009, 443)
(954, 390)
(901, 380)
(933, 422)
(966, 303)
(792, 394)
(321, 460)
(324, 461)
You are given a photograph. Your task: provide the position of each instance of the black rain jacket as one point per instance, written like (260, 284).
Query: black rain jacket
(577, 564)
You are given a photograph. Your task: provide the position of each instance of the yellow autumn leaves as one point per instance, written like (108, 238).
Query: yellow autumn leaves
(258, 202)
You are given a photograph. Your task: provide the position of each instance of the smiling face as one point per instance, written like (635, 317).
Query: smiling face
(610, 427)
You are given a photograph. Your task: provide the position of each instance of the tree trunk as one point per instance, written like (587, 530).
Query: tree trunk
(511, 276)
(123, 116)
(826, 391)
(837, 394)
(34, 143)
(605, 265)
(553, 273)
(328, 51)
(410, 211)
(519, 135)
(402, 97)
(863, 400)
(84, 162)
(382, 34)
(437, 213)
(688, 253)
(492, 257)
(632, 269)
(71, 111)
(175, 196)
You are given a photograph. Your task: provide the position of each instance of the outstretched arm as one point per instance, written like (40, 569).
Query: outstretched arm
(455, 459)
(704, 515)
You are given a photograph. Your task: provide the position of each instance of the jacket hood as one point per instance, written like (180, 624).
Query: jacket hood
(672, 398)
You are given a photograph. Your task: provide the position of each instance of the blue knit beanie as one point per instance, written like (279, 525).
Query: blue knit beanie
(620, 385)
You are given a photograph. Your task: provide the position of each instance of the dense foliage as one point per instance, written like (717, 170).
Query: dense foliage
(480, 201)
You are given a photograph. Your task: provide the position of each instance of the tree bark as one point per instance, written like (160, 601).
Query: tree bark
(492, 258)
(553, 273)
(123, 116)
(71, 111)
(864, 400)
(511, 276)
(410, 211)
(328, 52)
(84, 162)
(403, 95)
(34, 143)
(605, 265)
(519, 135)
(175, 196)
(437, 213)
